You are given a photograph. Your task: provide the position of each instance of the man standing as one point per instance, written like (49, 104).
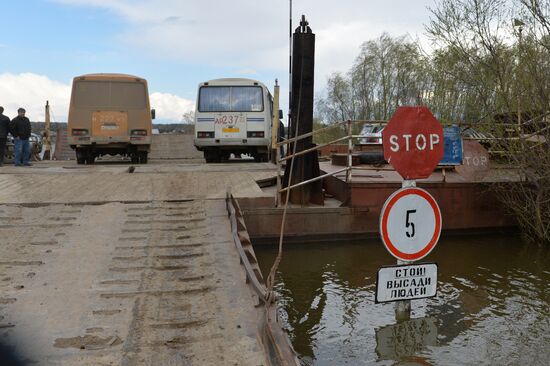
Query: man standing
(21, 130)
(4, 130)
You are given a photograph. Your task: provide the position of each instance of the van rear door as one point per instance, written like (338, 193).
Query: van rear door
(230, 125)
(109, 124)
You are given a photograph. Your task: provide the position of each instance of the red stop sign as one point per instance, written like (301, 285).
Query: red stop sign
(413, 142)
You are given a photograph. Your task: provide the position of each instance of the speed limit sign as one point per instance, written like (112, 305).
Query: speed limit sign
(410, 224)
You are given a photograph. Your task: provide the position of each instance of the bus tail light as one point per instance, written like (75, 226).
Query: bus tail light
(205, 134)
(79, 132)
(255, 134)
(138, 132)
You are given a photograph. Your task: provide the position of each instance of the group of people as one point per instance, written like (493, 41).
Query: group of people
(20, 129)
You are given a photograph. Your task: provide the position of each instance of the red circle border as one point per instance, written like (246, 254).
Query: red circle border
(384, 224)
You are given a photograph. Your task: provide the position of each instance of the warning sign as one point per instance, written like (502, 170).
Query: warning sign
(406, 282)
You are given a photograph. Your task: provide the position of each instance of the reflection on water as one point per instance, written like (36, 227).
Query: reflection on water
(406, 338)
(492, 305)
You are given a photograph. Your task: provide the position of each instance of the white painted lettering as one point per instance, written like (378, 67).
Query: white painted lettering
(434, 140)
(420, 145)
(394, 145)
(407, 144)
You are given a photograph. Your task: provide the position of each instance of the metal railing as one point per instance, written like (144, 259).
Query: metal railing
(350, 142)
(517, 128)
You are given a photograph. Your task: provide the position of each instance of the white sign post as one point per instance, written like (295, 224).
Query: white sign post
(410, 226)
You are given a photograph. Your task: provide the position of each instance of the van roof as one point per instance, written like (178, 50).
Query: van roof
(109, 76)
(232, 81)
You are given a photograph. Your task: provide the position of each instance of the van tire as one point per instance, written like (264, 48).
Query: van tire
(80, 156)
(261, 157)
(372, 157)
(142, 157)
(224, 156)
(212, 156)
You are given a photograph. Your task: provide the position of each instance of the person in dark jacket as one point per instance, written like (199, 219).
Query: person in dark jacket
(4, 130)
(21, 131)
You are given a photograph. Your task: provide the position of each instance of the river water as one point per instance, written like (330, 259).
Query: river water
(492, 306)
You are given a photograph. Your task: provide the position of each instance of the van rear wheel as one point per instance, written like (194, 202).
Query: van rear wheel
(225, 156)
(142, 157)
(260, 157)
(80, 156)
(212, 156)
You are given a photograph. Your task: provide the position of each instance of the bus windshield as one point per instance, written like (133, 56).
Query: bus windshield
(231, 99)
(109, 94)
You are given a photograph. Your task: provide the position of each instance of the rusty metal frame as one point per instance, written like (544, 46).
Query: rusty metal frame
(278, 348)
(252, 278)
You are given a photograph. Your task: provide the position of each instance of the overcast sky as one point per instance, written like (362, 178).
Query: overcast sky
(176, 44)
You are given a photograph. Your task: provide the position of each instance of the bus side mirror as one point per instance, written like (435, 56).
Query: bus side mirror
(153, 113)
(280, 114)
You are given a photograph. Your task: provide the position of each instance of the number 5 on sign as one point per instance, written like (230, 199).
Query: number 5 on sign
(410, 224)
(410, 235)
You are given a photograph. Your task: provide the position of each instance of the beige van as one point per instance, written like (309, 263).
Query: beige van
(110, 114)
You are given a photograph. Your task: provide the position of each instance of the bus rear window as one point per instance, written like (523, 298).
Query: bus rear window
(231, 99)
(107, 94)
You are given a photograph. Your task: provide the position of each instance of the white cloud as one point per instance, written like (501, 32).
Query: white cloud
(170, 107)
(253, 35)
(31, 91)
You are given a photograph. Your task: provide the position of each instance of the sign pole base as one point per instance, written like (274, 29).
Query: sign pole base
(403, 308)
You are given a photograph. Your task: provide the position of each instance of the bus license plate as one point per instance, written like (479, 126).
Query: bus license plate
(230, 129)
(227, 119)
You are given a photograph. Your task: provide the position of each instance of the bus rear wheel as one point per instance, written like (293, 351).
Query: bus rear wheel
(142, 157)
(81, 156)
(261, 157)
(212, 156)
